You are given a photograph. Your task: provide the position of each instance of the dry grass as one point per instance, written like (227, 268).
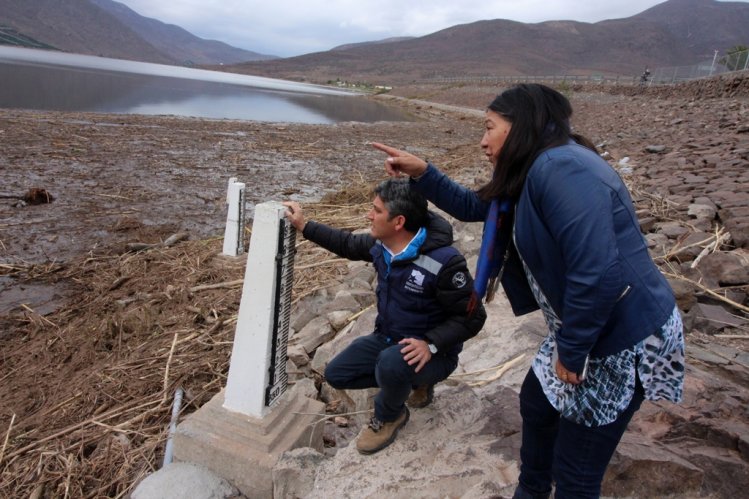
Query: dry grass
(91, 385)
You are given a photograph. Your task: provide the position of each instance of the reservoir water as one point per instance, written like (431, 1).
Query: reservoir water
(48, 80)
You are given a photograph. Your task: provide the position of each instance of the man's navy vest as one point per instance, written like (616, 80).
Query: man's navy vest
(406, 297)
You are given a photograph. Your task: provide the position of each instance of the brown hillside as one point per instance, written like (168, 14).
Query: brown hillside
(111, 29)
(179, 44)
(78, 26)
(677, 32)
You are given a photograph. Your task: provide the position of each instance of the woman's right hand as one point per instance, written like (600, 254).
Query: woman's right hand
(401, 162)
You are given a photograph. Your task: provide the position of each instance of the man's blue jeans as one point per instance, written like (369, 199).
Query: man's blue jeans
(376, 361)
(574, 456)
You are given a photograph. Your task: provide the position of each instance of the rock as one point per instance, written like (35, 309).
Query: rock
(706, 356)
(298, 355)
(343, 300)
(688, 249)
(702, 224)
(694, 179)
(739, 230)
(362, 270)
(639, 468)
(672, 230)
(362, 326)
(703, 200)
(646, 224)
(467, 243)
(730, 199)
(734, 212)
(180, 480)
(338, 319)
(701, 211)
(305, 388)
(711, 319)
(655, 149)
(315, 333)
(684, 294)
(357, 403)
(364, 296)
(735, 295)
(723, 268)
(657, 242)
(294, 473)
(624, 167)
(679, 202)
(358, 283)
(724, 472)
(301, 314)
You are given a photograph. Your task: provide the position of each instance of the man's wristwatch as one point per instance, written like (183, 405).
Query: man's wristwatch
(432, 348)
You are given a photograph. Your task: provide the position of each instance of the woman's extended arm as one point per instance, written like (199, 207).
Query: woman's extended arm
(457, 200)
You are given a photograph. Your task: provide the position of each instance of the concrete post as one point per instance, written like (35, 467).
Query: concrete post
(233, 240)
(244, 429)
(258, 360)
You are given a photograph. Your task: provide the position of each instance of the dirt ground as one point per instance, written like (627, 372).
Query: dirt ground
(94, 337)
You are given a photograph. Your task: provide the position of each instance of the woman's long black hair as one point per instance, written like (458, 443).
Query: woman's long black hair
(540, 118)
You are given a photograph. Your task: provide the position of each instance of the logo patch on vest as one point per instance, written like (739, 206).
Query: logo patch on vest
(459, 280)
(415, 282)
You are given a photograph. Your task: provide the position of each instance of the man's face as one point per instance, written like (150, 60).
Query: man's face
(382, 228)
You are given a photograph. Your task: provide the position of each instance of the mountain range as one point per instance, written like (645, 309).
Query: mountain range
(673, 33)
(110, 29)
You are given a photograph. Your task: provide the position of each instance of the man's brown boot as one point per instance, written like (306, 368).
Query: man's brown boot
(421, 396)
(378, 435)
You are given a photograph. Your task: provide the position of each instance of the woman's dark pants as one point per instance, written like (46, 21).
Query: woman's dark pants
(574, 456)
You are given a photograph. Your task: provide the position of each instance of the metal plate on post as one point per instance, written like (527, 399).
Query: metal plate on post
(278, 378)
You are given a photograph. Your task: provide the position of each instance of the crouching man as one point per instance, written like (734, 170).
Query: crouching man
(423, 291)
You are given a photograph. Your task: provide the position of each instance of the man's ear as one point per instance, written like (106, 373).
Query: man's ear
(400, 222)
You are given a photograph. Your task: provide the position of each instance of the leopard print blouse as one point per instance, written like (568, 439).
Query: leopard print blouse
(658, 362)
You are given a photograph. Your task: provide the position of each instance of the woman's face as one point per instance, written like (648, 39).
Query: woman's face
(496, 130)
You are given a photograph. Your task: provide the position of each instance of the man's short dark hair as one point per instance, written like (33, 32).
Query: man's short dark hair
(400, 199)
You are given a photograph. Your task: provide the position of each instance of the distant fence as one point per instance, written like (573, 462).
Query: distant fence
(602, 80)
(736, 61)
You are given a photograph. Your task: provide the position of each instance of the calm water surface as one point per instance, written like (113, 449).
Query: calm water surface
(46, 80)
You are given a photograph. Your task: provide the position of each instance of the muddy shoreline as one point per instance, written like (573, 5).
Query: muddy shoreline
(113, 174)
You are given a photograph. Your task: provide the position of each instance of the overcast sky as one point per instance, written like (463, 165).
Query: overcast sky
(293, 27)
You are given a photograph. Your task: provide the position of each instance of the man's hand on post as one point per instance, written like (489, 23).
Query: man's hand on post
(415, 351)
(294, 214)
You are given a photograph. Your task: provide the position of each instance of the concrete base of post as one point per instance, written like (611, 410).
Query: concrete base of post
(243, 449)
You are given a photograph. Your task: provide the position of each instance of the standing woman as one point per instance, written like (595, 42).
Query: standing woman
(561, 234)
